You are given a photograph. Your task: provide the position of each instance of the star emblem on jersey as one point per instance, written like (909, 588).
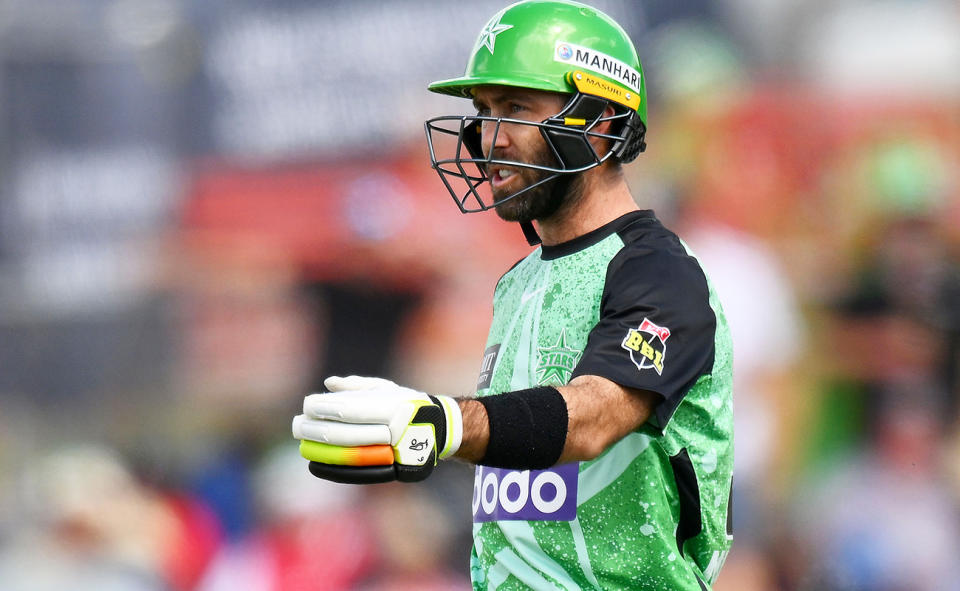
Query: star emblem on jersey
(555, 364)
(488, 37)
(647, 345)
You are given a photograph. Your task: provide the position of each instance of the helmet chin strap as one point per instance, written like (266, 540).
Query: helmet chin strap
(530, 233)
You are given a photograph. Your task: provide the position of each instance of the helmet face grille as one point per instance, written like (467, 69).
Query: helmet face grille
(456, 153)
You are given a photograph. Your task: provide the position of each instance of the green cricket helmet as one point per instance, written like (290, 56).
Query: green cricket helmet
(555, 46)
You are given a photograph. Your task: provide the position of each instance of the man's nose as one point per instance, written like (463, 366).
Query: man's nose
(493, 135)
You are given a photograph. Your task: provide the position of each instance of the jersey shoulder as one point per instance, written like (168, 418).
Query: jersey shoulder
(655, 261)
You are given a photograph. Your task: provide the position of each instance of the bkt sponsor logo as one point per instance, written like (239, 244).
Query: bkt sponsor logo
(528, 495)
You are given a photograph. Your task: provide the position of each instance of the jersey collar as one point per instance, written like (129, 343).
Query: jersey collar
(584, 241)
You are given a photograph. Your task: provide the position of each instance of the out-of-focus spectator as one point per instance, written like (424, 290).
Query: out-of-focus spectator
(884, 519)
(414, 541)
(89, 524)
(882, 514)
(768, 339)
(897, 318)
(312, 535)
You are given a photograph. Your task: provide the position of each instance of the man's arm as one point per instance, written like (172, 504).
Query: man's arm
(369, 430)
(600, 413)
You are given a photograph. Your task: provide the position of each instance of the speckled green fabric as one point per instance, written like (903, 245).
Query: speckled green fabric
(624, 534)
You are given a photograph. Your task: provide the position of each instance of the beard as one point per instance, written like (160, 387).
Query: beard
(542, 201)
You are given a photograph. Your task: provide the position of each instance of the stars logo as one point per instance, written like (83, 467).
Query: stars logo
(488, 37)
(555, 364)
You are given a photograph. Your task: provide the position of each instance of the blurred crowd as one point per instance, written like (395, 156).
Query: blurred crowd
(207, 207)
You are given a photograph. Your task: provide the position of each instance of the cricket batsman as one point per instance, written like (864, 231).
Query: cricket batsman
(602, 423)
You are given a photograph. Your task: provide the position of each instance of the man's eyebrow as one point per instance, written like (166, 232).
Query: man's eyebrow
(500, 97)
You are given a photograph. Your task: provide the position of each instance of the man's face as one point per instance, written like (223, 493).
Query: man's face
(520, 143)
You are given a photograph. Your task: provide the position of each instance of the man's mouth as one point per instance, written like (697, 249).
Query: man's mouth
(501, 176)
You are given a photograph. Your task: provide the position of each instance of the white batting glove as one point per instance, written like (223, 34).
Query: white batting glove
(368, 430)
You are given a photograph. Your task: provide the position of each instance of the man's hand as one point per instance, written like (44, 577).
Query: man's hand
(368, 430)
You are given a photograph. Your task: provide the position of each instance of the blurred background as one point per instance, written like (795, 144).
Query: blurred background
(206, 207)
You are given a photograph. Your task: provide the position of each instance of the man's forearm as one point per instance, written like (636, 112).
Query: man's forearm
(593, 414)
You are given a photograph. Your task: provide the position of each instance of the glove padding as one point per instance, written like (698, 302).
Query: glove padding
(370, 430)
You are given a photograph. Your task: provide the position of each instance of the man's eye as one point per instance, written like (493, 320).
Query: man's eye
(483, 112)
(516, 108)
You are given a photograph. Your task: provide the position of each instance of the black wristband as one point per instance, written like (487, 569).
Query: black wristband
(528, 428)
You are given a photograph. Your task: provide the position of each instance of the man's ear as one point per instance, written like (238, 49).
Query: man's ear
(605, 126)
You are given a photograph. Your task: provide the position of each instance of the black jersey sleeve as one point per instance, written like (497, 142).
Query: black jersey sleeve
(656, 328)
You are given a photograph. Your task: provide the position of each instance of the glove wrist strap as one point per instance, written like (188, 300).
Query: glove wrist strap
(450, 443)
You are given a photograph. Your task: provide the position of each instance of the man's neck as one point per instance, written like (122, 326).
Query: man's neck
(605, 197)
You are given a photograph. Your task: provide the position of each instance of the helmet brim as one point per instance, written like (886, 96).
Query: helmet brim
(462, 86)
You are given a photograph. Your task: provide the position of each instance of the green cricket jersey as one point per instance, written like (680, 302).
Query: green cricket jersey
(630, 303)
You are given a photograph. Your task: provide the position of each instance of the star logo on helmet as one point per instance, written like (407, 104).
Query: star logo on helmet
(488, 37)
